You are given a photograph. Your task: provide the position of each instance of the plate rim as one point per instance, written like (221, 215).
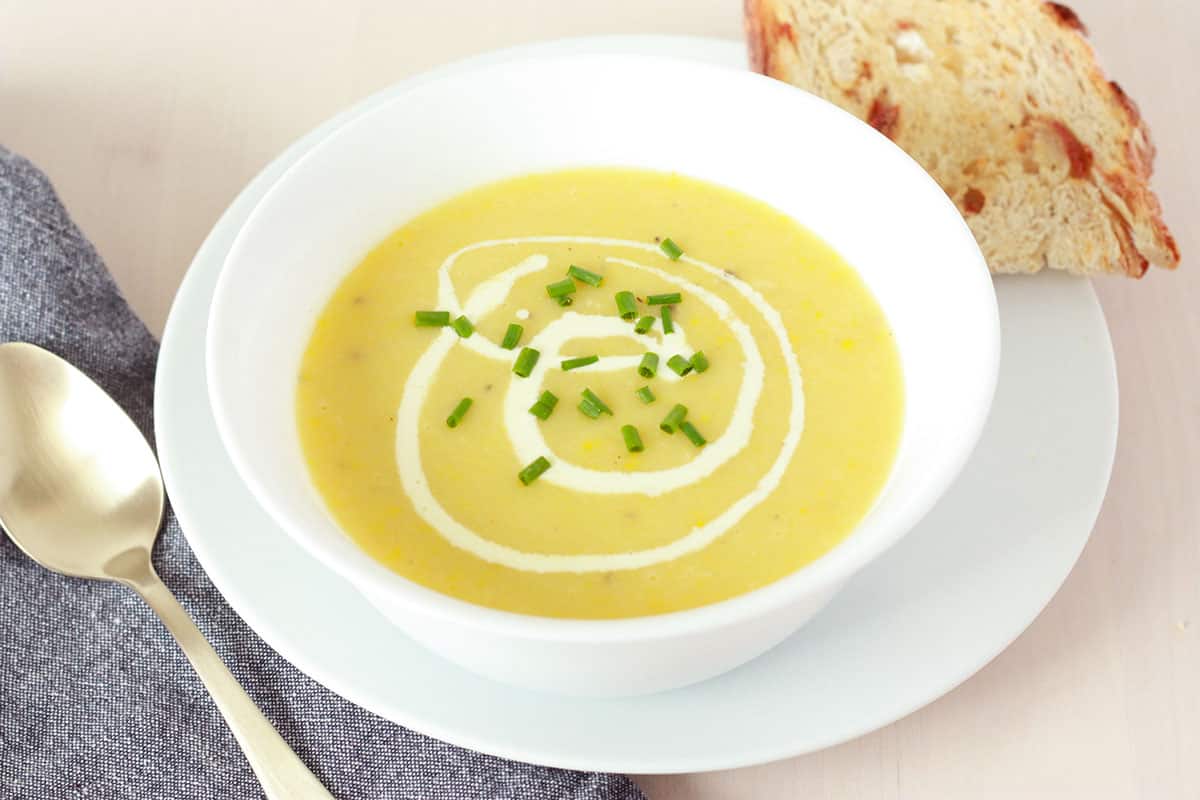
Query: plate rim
(244, 202)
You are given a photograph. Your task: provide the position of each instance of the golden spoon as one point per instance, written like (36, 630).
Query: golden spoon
(80, 493)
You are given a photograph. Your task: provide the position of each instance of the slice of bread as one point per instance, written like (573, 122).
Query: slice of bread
(1003, 103)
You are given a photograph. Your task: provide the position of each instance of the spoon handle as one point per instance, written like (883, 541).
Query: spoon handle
(282, 775)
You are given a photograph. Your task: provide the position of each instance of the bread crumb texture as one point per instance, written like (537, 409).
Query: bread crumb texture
(1003, 102)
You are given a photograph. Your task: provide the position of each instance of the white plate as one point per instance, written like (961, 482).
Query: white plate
(909, 628)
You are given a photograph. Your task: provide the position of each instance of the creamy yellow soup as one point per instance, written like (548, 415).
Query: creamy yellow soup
(792, 427)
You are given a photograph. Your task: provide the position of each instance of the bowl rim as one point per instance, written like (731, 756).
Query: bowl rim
(826, 573)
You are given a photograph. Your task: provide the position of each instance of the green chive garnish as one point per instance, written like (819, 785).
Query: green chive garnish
(644, 325)
(585, 275)
(673, 419)
(668, 323)
(433, 319)
(526, 360)
(459, 412)
(689, 430)
(565, 300)
(463, 327)
(591, 398)
(626, 305)
(544, 406)
(534, 470)
(645, 395)
(561, 288)
(590, 409)
(699, 361)
(679, 365)
(672, 250)
(633, 442)
(569, 364)
(649, 366)
(668, 299)
(512, 335)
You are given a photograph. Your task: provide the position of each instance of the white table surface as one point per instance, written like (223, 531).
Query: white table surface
(150, 115)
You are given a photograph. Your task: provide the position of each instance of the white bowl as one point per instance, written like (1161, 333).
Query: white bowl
(442, 136)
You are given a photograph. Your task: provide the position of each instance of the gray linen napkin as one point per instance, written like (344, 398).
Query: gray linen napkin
(96, 701)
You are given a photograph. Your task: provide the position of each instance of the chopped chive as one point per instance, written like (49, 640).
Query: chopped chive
(699, 361)
(672, 420)
(512, 335)
(569, 364)
(432, 319)
(585, 275)
(649, 365)
(590, 409)
(668, 323)
(668, 299)
(544, 406)
(679, 365)
(689, 430)
(626, 305)
(633, 442)
(672, 250)
(644, 324)
(463, 327)
(565, 300)
(534, 470)
(560, 288)
(526, 360)
(645, 395)
(591, 398)
(459, 412)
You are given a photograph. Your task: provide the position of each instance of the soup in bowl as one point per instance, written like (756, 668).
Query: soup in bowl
(430, 394)
(593, 395)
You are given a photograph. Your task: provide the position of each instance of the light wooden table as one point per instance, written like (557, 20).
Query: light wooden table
(151, 114)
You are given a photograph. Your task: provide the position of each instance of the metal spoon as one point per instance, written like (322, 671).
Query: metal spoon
(80, 493)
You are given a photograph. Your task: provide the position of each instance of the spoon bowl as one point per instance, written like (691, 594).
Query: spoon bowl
(81, 494)
(80, 490)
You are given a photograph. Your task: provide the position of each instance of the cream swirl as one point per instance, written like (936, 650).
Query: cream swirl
(525, 434)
